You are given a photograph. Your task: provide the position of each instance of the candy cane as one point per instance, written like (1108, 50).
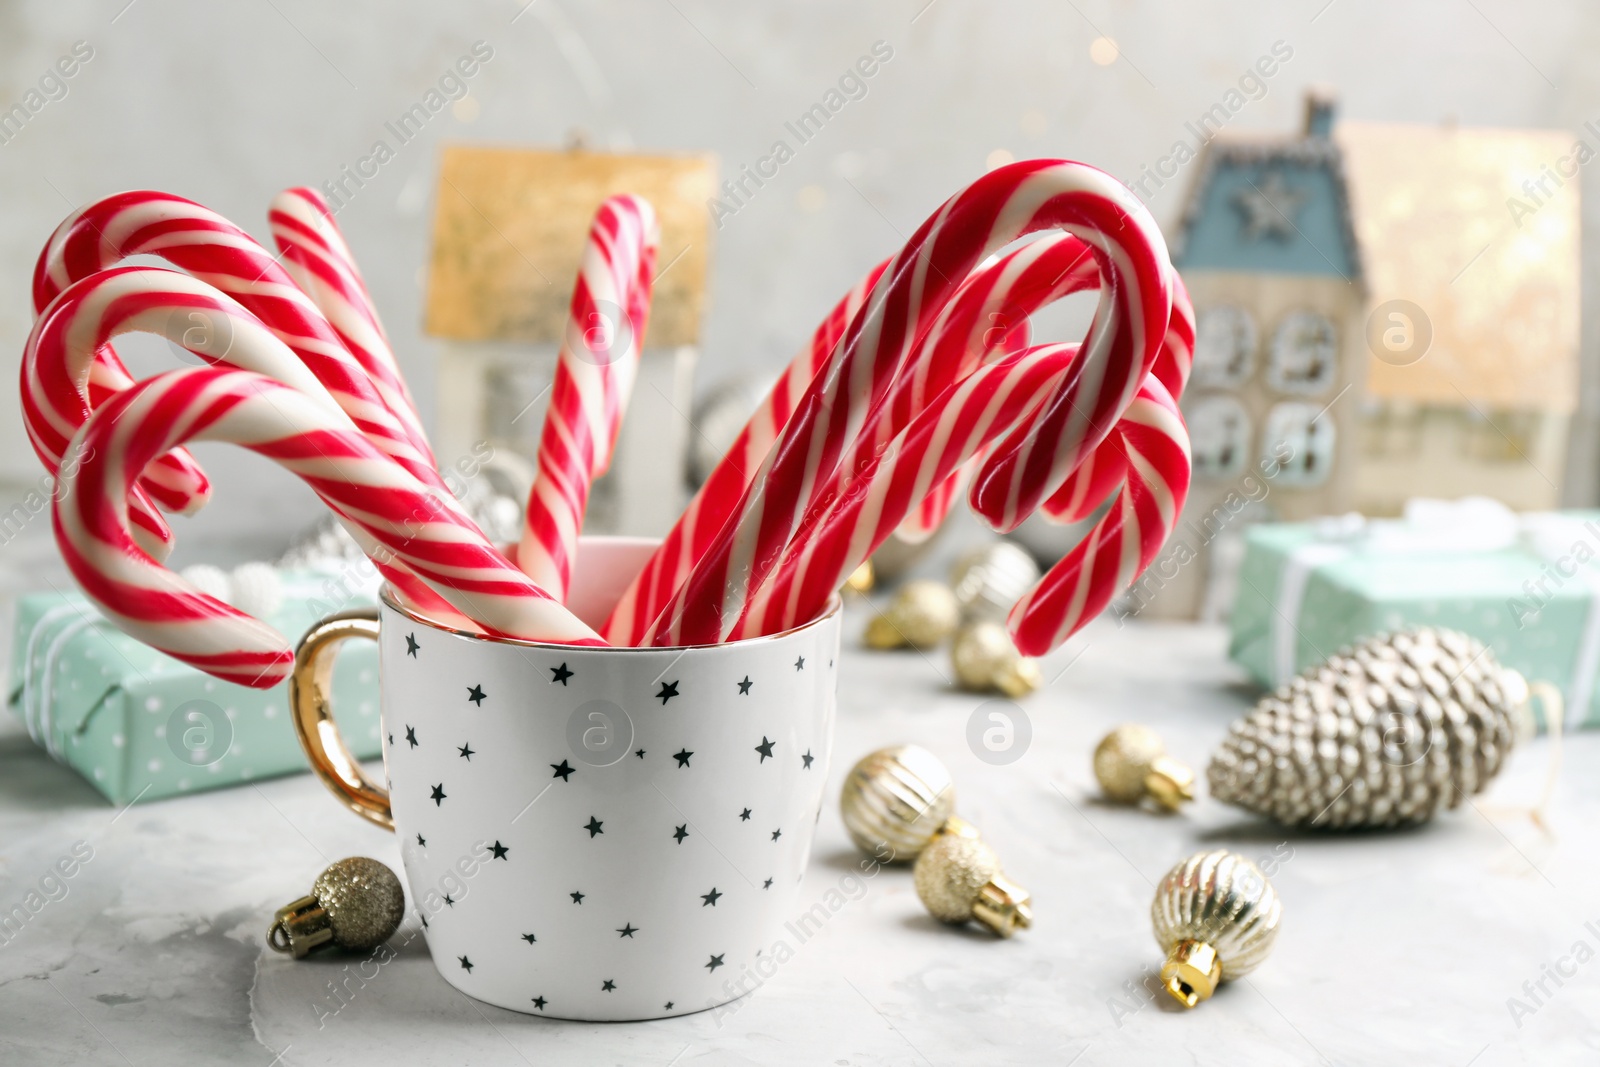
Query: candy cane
(859, 507)
(1121, 345)
(1123, 543)
(711, 506)
(175, 481)
(595, 370)
(59, 360)
(315, 254)
(216, 251)
(302, 435)
(1106, 469)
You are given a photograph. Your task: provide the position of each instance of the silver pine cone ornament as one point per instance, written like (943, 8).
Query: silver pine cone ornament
(1216, 917)
(1385, 733)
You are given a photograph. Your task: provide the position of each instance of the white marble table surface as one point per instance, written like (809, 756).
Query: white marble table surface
(1400, 948)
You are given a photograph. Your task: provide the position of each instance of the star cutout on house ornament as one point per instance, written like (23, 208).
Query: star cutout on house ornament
(1268, 209)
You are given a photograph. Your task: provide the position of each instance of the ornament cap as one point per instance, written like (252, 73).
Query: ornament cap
(299, 927)
(1003, 906)
(1191, 972)
(1169, 782)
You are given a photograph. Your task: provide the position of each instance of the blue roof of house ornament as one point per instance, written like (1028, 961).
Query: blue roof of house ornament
(1272, 205)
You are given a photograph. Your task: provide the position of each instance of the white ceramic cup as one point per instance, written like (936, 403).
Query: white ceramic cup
(589, 833)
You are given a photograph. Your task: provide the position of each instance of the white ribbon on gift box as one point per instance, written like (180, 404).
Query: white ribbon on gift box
(1471, 524)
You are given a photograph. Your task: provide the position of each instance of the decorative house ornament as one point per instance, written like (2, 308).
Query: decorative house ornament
(1375, 321)
(509, 230)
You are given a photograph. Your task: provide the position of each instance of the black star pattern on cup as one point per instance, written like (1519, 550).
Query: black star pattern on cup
(411, 645)
(438, 795)
(765, 748)
(640, 753)
(424, 920)
(562, 769)
(716, 961)
(449, 900)
(800, 663)
(561, 674)
(744, 686)
(667, 1006)
(807, 758)
(668, 691)
(682, 756)
(607, 986)
(777, 834)
(627, 930)
(476, 695)
(767, 884)
(499, 850)
(422, 842)
(744, 816)
(680, 833)
(593, 826)
(539, 1002)
(529, 938)
(710, 898)
(577, 897)
(391, 740)
(466, 964)
(411, 735)
(466, 751)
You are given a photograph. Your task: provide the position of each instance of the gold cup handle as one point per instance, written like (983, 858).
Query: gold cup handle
(310, 687)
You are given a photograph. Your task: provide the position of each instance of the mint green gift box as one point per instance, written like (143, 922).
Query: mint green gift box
(1528, 586)
(139, 725)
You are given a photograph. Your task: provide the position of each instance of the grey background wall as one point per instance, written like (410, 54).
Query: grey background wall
(228, 103)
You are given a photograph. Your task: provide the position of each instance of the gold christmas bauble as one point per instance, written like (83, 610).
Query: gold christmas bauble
(1131, 764)
(1216, 917)
(959, 880)
(987, 581)
(894, 799)
(985, 658)
(922, 614)
(356, 903)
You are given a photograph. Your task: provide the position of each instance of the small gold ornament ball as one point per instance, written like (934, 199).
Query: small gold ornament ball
(988, 580)
(894, 799)
(949, 874)
(1131, 763)
(363, 900)
(985, 658)
(1216, 917)
(958, 879)
(921, 615)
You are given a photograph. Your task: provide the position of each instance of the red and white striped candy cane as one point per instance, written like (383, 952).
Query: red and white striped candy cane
(861, 506)
(716, 499)
(1104, 470)
(1155, 446)
(175, 481)
(315, 254)
(594, 376)
(1119, 348)
(59, 359)
(1150, 440)
(301, 434)
(216, 251)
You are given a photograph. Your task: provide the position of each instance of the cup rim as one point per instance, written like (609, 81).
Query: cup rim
(387, 594)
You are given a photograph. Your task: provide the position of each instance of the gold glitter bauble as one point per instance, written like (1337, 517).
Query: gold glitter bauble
(356, 903)
(1386, 733)
(1132, 763)
(894, 799)
(959, 880)
(984, 659)
(1216, 917)
(922, 614)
